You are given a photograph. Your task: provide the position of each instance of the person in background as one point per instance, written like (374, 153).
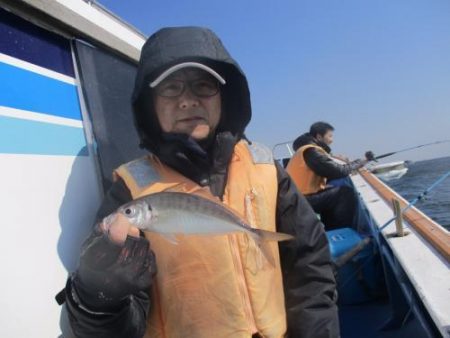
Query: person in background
(312, 166)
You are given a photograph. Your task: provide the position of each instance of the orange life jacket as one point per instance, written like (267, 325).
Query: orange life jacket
(216, 286)
(306, 180)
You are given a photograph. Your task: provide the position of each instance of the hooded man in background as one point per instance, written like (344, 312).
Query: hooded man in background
(191, 106)
(313, 165)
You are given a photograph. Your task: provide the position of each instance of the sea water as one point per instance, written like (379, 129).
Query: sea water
(419, 177)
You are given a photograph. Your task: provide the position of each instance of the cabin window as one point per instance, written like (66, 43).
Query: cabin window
(107, 83)
(25, 41)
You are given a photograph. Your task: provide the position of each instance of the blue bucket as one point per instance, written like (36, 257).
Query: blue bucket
(360, 279)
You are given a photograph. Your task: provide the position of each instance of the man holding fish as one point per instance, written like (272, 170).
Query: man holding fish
(206, 236)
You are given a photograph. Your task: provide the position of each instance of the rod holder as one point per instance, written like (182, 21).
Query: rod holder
(398, 217)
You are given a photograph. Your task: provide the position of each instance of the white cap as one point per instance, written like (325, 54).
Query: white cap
(179, 66)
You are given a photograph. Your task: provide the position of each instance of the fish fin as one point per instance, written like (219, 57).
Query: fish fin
(172, 238)
(269, 236)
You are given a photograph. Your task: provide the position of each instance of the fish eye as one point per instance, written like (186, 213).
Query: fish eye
(129, 212)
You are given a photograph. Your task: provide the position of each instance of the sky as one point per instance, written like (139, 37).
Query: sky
(377, 70)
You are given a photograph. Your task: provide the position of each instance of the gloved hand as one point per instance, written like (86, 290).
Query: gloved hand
(356, 164)
(109, 273)
(370, 156)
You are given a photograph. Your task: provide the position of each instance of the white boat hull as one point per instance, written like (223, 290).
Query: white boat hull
(392, 175)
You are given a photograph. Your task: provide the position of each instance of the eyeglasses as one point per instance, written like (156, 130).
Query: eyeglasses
(174, 88)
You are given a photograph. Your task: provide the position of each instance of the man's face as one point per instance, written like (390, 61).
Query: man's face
(194, 111)
(327, 138)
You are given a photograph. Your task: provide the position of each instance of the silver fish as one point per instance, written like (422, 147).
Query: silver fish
(177, 213)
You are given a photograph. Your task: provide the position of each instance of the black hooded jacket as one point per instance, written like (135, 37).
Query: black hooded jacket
(322, 164)
(309, 284)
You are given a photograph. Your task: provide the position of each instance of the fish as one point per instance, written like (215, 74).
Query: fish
(176, 213)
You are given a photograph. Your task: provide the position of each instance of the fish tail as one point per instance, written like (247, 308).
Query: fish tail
(262, 239)
(263, 246)
(270, 236)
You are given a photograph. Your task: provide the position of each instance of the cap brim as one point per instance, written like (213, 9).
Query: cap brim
(179, 66)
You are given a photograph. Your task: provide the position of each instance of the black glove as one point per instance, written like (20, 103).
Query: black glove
(109, 273)
(370, 156)
(356, 164)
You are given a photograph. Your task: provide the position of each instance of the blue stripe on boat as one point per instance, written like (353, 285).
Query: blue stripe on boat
(22, 89)
(20, 136)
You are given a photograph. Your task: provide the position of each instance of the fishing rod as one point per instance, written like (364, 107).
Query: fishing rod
(421, 196)
(411, 148)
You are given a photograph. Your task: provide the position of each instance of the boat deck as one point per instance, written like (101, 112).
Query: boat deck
(422, 273)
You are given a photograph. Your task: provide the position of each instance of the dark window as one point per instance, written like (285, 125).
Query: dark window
(25, 41)
(107, 82)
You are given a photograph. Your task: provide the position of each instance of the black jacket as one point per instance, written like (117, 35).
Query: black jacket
(308, 279)
(321, 163)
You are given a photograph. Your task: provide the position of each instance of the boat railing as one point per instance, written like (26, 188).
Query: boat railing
(282, 152)
(436, 235)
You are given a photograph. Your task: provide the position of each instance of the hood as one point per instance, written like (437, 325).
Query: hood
(170, 46)
(307, 138)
